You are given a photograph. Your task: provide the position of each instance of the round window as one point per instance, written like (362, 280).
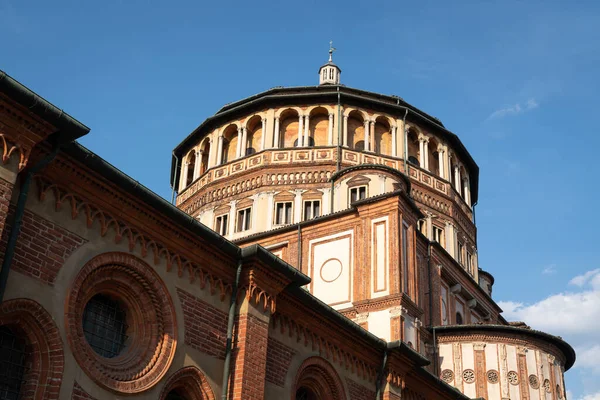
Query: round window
(105, 326)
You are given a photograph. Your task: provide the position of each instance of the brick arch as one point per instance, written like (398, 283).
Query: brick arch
(319, 376)
(152, 338)
(43, 375)
(191, 383)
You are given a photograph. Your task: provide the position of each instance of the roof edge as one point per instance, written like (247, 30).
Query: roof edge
(70, 128)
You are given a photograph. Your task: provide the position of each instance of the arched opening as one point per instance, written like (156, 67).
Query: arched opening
(190, 165)
(230, 143)
(319, 127)
(174, 395)
(413, 147)
(434, 157)
(254, 135)
(31, 351)
(304, 393)
(13, 361)
(317, 380)
(452, 172)
(459, 319)
(356, 131)
(383, 137)
(288, 128)
(187, 384)
(205, 151)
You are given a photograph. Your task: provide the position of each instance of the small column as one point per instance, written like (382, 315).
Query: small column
(326, 201)
(426, 152)
(394, 141)
(276, 143)
(306, 142)
(450, 239)
(300, 128)
(457, 179)
(448, 164)
(253, 224)
(271, 206)
(367, 136)
(198, 164)
(345, 138)
(466, 191)
(238, 150)
(184, 175)
(421, 152)
(372, 136)
(263, 134)
(330, 130)
(429, 226)
(298, 205)
(441, 161)
(232, 214)
(220, 150)
(244, 146)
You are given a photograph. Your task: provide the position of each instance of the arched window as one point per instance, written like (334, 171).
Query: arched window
(12, 363)
(104, 326)
(311, 142)
(413, 148)
(173, 395)
(317, 380)
(459, 319)
(190, 168)
(305, 394)
(205, 156)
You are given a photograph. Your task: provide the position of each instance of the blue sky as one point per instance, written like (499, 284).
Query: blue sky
(516, 80)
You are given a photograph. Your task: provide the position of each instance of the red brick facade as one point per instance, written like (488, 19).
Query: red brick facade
(42, 248)
(249, 368)
(279, 357)
(80, 394)
(205, 327)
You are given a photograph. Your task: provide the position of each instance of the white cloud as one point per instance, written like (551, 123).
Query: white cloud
(549, 269)
(592, 277)
(515, 110)
(594, 396)
(588, 356)
(575, 315)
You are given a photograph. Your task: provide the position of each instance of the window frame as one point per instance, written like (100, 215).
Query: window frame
(224, 226)
(357, 189)
(247, 219)
(285, 214)
(440, 236)
(312, 209)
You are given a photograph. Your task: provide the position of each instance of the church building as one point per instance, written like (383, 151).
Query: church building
(322, 246)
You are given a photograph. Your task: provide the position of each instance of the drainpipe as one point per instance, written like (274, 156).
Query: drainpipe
(20, 209)
(435, 352)
(339, 143)
(331, 210)
(174, 178)
(230, 322)
(300, 247)
(378, 384)
(405, 142)
(435, 355)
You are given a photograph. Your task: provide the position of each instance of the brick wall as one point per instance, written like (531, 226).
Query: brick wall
(42, 247)
(357, 391)
(205, 326)
(249, 358)
(6, 190)
(80, 394)
(279, 357)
